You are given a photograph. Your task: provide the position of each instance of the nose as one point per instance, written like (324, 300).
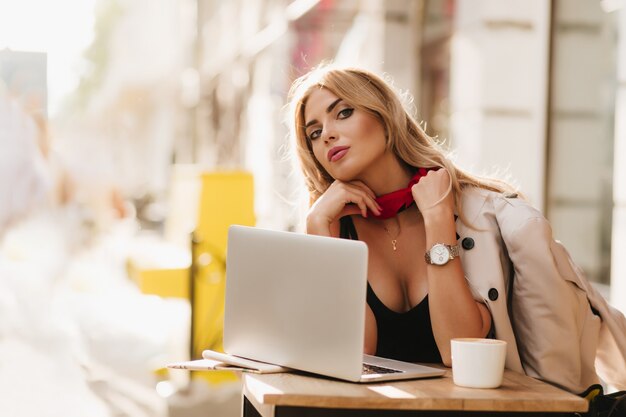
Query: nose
(329, 134)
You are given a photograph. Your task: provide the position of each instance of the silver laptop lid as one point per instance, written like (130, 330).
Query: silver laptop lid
(296, 300)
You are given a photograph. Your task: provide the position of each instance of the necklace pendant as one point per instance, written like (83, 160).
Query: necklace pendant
(393, 243)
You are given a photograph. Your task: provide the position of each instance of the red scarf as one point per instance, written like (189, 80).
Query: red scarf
(396, 201)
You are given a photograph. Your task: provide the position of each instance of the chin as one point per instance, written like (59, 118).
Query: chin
(345, 178)
(345, 174)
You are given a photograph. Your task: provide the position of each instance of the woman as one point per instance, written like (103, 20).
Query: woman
(447, 250)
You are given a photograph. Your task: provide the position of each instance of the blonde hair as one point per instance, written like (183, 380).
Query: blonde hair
(404, 136)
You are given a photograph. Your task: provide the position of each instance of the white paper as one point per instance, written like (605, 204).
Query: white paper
(222, 361)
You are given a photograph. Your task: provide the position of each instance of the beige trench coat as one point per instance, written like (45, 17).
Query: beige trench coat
(558, 327)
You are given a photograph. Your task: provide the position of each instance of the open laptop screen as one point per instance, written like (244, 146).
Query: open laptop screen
(296, 300)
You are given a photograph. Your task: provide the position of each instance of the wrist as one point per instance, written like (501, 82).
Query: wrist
(437, 215)
(440, 227)
(316, 225)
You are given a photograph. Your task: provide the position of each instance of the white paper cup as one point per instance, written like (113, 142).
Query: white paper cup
(478, 363)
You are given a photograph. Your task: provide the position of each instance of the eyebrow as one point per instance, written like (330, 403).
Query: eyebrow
(328, 110)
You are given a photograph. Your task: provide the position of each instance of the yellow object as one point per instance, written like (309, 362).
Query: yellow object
(226, 198)
(173, 282)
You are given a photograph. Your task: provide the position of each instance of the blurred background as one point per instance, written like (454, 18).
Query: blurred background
(133, 132)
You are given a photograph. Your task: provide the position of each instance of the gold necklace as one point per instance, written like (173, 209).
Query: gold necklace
(394, 240)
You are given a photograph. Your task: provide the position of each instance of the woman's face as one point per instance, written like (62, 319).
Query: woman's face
(346, 141)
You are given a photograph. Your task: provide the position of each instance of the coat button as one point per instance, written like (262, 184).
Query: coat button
(467, 243)
(493, 294)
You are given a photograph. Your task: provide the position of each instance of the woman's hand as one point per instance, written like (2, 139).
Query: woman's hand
(432, 194)
(340, 199)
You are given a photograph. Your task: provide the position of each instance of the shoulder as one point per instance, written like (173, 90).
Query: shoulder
(477, 206)
(474, 199)
(515, 214)
(509, 211)
(517, 220)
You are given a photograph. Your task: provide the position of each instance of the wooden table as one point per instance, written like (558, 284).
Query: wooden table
(288, 395)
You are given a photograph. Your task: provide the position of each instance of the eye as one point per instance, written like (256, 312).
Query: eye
(345, 113)
(315, 134)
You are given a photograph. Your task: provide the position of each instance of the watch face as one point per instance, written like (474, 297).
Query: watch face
(439, 255)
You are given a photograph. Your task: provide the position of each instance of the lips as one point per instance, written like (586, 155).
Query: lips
(337, 153)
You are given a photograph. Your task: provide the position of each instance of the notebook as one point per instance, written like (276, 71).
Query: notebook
(219, 361)
(298, 301)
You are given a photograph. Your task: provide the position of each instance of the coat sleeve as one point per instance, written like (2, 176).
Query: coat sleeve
(556, 330)
(611, 353)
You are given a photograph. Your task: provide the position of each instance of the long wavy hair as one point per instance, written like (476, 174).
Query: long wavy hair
(404, 136)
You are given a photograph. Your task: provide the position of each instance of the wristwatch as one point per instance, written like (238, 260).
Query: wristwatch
(440, 253)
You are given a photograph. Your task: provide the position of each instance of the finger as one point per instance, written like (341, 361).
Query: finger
(374, 206)
(372, 197)
(362, 207)
(361, 202)
(360, 194)
(361, 185)
(370, 202)
(359, 198)
(350, 209)
(443, 173)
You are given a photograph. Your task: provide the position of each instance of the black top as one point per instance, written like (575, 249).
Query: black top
(403, 336)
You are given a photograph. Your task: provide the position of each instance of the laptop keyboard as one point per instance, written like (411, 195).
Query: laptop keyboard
(369, 369)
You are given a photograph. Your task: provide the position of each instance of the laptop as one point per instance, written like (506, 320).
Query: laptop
(298, 301)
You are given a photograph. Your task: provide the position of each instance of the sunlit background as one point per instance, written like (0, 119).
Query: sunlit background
(62, 30)
(132, 132)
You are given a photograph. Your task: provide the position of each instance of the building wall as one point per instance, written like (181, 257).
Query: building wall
(580, 161)
(618, 260)
(498, 90)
